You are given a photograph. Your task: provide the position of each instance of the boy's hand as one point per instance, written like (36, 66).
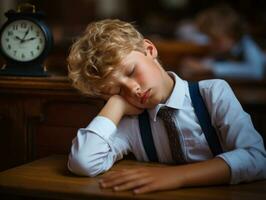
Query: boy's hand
(126, 107)
(147, 179)
(143, 180)
(116, 107)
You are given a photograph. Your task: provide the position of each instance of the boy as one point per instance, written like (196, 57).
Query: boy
(235, 53)
(113, 61)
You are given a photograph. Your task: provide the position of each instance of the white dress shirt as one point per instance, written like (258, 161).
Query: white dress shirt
(98, 146)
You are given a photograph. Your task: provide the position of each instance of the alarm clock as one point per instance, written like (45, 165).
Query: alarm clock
(25, 41)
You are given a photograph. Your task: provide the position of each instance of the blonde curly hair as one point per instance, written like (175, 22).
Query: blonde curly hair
(97, 53)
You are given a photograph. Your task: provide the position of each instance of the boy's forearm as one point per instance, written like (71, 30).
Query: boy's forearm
(113, 111)
(148, 179)
(211, 172)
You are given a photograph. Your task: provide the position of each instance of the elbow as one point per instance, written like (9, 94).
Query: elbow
(262, 169)
(82, 165)
(258, 168)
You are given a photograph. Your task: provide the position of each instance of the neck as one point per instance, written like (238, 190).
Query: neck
(169, 86)
(168, 83)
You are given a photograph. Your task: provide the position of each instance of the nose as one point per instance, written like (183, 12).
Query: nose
(132, 88)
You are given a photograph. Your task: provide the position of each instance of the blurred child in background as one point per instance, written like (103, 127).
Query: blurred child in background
(234, 54)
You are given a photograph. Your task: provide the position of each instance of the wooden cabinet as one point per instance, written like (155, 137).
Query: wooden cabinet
(40, 116)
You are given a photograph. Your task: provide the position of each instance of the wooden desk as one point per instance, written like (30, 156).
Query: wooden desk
(48, 178)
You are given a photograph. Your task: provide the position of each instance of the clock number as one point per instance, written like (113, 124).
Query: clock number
(37, 33)
(15, 27)
(23, 25)
(14, 52)
(22, 56)
(10, 33)
(7, 39)
(9, 47)
(41, 40)
(38, 47)
(32, 53)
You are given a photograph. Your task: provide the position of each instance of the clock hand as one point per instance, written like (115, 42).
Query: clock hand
(29, 39)
(26, 33)
(18, 38)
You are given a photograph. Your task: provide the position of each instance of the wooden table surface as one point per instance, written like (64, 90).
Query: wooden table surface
(49, 178)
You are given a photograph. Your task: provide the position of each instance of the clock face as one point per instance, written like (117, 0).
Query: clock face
(22, 40)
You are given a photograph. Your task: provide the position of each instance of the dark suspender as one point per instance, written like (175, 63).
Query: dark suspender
(204, 119)
(146, 136)
(202, 115)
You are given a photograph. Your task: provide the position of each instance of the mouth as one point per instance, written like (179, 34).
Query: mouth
(145, 96)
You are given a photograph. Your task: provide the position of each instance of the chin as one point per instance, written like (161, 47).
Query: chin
(150, 105)
(141, 106)
(147, 105)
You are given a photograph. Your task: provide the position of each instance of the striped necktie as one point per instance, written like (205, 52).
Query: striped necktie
(167, 116)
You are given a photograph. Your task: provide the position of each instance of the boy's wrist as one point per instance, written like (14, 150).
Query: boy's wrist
(113, 109)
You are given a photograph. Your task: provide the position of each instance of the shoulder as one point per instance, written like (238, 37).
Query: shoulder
(216, 89)
(220, 100)
(211, 84)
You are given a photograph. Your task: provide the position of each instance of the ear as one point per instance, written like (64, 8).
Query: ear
(150, 49)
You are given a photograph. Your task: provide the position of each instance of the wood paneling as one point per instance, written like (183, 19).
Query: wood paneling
(40, 116)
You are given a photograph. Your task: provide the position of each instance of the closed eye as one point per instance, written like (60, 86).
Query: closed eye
(131, 72)
(119, 92)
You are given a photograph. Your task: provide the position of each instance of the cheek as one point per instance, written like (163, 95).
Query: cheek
(148, 77)
(140, 77)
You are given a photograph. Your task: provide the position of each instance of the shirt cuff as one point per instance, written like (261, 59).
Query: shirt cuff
(236, 162)
(102, 126)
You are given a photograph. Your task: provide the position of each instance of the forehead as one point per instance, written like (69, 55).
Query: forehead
(128, 61)
(132, 57)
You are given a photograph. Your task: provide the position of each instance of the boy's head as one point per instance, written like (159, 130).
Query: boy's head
(98, 52)
(113, 58)
(223, 26)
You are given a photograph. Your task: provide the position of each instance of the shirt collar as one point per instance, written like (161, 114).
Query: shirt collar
(175, 100)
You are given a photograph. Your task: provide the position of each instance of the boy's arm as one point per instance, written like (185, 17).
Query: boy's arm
(95, 149)
(243, 146)
(116, 107)
(148, 179)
